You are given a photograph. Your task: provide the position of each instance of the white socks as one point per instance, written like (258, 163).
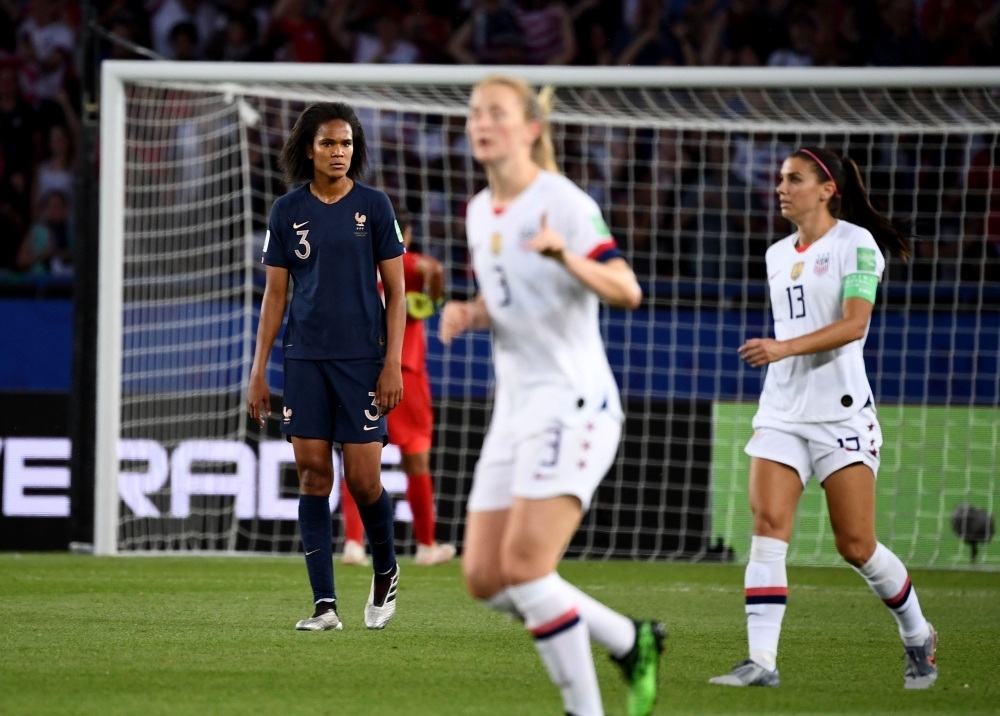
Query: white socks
(887, 577)
(613, 631)
(766, 587)
(550, 613)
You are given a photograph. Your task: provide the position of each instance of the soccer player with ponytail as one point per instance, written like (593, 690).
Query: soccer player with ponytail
(817, 413)
(544, 259)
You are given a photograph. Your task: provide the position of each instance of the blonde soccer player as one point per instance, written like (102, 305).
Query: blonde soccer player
(543, 258)
(817, 414)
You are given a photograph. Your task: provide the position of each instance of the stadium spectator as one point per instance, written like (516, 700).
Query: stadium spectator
(699, 30)
(959, 33)
(750, 34)
(893, 39)
(171, 13)
(45, 42)
(638, 41)
(18, 140)
(801, 43)
(595, 25)
(47, 248)
(297, 35)
(237, 41)
(125, 26)
(385, 45)
(57, 172)
(490, 36)
(429, 28)
(548, 31)
(184, 41)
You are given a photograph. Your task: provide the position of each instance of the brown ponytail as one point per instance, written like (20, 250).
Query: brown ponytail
(536, 107)
(851, 202)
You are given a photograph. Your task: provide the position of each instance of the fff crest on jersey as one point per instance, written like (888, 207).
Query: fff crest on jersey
(497, 243)
(822, 264)
(797, 269)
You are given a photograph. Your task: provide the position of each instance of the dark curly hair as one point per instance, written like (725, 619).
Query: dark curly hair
(294, 162)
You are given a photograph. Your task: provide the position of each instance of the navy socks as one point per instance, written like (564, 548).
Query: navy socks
(378, 520)
(316, 528)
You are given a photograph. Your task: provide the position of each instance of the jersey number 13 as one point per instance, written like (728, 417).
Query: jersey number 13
(796, 301)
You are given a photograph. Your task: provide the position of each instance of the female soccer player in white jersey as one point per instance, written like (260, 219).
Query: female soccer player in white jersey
(543, 258)
(816, 414)
(342, 349)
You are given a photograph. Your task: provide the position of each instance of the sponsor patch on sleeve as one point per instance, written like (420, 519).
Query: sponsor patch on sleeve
(861, 285)
(866, 259)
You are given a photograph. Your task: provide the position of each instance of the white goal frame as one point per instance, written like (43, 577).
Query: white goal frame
(230, 76)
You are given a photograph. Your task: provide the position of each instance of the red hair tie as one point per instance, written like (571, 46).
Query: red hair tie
(836, 190)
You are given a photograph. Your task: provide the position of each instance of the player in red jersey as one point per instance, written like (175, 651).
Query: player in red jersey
(411, 424)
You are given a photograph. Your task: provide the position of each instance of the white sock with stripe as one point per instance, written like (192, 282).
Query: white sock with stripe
(888, 578)
(765, 585)
(614, 631)
(561, 637)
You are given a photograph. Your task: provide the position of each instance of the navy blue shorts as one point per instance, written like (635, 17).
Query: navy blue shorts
(332, 400)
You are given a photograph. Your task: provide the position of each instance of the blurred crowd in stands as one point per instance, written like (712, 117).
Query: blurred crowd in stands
(39, 126)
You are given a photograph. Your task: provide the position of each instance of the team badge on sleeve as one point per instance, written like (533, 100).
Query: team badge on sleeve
(797, 269)
(822, 264)
(866, 259)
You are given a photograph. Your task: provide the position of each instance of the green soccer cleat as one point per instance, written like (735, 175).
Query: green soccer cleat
(641, 666)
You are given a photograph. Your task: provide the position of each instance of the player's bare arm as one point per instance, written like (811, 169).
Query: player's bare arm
(389, 390)
(613, 280)
(457, 317)
(759, 352)
(272, 311)
(433, 273)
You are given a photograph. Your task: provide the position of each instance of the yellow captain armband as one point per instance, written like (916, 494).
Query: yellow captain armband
(860, 285)
(420, 306)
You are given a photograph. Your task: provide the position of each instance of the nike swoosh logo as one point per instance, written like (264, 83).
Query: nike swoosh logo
(299, 226)
(313, 552)
(371, 427)
(771, 277)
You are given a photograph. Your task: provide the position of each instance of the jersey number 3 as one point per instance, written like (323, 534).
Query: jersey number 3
(302, 242)
(796, 295)
(502, 276)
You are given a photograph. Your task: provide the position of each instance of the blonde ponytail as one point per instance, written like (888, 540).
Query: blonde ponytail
(536, 107)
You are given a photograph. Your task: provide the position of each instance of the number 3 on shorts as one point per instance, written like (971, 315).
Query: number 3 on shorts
(368, 412)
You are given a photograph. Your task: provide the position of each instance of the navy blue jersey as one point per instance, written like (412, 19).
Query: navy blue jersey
(332, 252)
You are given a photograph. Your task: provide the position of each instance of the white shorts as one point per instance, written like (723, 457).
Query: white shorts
(556, 460)
(819, 449)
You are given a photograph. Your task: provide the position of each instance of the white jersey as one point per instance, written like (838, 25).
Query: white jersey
(547, 348)
(807, 293)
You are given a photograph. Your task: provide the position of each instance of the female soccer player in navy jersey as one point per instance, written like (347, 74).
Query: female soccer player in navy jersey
(342, 349)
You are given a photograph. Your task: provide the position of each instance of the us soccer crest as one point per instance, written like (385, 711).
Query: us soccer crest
(822, 264)
(497, 243)
(797, 269)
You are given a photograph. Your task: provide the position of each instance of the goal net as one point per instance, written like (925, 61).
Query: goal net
(683, 164)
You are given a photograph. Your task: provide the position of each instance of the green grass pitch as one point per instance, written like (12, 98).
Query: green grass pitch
(200, 635)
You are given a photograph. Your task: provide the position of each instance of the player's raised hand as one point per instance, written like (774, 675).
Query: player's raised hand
(456, 319)
(258, 395)
(389, 389)
(548, 242)
(759, 352)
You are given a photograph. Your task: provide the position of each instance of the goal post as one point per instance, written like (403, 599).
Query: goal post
(681, 161)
